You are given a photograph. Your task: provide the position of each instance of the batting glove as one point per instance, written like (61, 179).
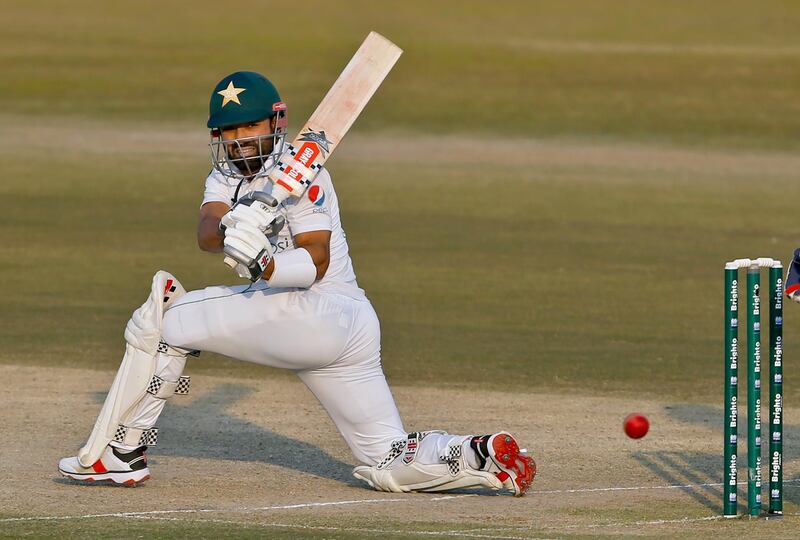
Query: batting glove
(247, 250)
(258, 209)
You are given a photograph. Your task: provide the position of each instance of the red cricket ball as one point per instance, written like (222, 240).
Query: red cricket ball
(636, 425)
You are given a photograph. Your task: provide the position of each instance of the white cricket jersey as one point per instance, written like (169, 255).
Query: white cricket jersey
(316, 210)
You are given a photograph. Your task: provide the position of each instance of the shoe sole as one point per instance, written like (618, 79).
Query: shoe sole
(519, 467)
(120, 479)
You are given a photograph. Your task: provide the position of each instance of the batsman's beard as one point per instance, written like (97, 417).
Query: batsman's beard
(249, 158)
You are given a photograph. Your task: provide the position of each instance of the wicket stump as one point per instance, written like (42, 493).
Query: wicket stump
(754, 430)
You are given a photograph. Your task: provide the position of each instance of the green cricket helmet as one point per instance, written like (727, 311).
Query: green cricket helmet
(246, 97)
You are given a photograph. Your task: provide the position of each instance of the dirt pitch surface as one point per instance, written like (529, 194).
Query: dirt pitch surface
(260, 457)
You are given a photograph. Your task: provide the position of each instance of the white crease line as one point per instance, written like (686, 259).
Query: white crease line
(638, 488)
(361, 501)
(229, 510)
(457, 533)
(342, 503)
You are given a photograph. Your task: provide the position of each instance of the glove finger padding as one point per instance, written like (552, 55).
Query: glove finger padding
(240, 250)
(227, 221)
(255, 236)
(246, 239)
(242, 271)
(252, 216)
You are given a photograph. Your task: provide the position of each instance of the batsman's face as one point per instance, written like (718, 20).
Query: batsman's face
(248, 144)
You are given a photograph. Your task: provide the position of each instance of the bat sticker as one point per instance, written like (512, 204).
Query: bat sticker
(317, 137)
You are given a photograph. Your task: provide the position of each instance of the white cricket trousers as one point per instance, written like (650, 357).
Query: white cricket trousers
(331, 341)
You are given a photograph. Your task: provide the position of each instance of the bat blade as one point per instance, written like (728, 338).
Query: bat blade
(319, 137)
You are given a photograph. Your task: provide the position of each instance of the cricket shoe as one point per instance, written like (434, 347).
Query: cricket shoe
(501, 455)
(115, 466)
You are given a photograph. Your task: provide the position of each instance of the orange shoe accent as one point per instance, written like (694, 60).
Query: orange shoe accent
(134, 482)
(98, 467)
(506, 451)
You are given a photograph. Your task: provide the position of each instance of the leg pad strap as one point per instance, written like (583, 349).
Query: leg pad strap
(164, 389)
(169, 350)
(136, 437)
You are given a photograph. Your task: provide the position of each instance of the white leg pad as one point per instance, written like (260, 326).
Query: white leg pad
(402, 471)
(138, 428)
(135, 375)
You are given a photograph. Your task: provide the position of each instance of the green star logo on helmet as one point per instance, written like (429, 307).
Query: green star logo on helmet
(242, 97)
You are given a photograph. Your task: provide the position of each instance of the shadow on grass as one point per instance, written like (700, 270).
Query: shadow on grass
(701, 473)
(203, 429)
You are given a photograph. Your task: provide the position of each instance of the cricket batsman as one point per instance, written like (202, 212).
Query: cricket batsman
(302, 310)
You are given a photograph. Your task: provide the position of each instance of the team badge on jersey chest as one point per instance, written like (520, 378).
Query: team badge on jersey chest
(316, 195)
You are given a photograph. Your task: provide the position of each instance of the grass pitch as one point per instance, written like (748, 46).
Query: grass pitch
(575, 264)
(595, 163)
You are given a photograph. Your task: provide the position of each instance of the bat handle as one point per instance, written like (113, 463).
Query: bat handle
(280, 193)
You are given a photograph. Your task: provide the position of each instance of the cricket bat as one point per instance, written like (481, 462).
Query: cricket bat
(299, 164)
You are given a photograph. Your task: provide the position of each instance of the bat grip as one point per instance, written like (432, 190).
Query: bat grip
(280, 193)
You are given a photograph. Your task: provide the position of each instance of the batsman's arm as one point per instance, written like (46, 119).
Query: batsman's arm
(209, 236)
(318, 245)
(250, 255)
